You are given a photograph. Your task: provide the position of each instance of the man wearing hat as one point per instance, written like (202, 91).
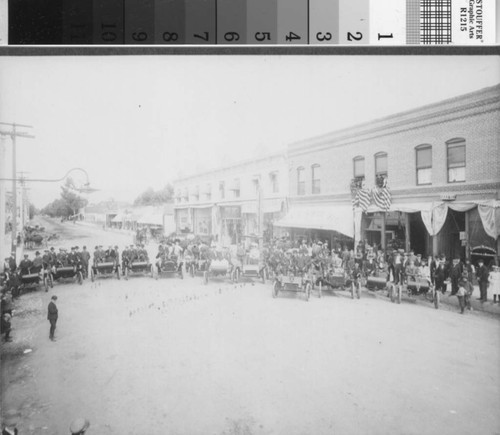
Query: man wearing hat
(52, 316)
(37, 262)
(85, 256)
(482, 276)
(455, 275)
(25, 265)
(12, 262)
(79, 426)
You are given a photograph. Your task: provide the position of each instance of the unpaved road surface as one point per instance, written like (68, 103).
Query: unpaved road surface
(174, 356)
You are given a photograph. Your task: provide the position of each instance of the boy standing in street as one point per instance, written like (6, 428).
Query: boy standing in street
(52, 316)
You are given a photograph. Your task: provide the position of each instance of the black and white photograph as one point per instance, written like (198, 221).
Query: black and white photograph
(250, 244)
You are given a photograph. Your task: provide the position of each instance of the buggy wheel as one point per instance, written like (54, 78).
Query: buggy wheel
(352, 290)
(399, 294)
(263, 277)
(118, 273)
(391, 294)
(276, 288)
(181, 273)
(50, 280)
(358, 291)
(79, 278)
(92, 275)
(191, 271)
(236, 276)
(320, 289)
(125, 273)
(308, 291)
(45, 284)
(205, 277)
(436, 299)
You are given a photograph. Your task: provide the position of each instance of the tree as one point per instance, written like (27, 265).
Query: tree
(69, 203)
(152, 197)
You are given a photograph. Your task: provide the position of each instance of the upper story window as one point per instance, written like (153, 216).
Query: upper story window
(208, 192)
(275, 187)
(222, 190)
(255, 185)
(455, 152)
(235, 187)
(424, 164)
(380, 167)
(359, 168)
(316, 178)
(301, 181)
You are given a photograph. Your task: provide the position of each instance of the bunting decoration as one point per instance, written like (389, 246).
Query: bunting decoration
(361, 196)
(382, 196)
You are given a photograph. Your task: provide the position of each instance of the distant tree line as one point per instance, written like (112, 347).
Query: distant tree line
(155, 197)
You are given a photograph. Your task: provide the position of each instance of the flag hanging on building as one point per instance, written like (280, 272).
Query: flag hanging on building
(382, 196)
(363, 196)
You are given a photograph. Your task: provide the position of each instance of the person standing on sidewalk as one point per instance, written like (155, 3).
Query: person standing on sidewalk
(482, 275)
(463, 291)
(495, 283)
(52, 316)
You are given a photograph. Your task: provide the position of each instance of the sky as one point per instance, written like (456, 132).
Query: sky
(134, 122)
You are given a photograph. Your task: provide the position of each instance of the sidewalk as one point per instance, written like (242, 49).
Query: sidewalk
(451, 302)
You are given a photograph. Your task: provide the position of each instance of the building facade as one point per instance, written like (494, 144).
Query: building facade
(440, 164)
(235, 203)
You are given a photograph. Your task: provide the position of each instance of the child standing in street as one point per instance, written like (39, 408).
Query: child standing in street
(494, 280)
(463, 291)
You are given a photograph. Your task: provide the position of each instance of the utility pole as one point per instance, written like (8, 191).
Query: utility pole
(13, 133)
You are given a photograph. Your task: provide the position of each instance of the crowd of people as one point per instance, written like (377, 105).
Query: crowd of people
(454, 276)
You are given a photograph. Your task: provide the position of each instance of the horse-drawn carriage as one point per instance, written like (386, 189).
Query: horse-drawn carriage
(35, 237)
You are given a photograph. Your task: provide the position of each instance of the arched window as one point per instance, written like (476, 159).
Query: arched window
(423, 155)
(359, 168)
(316, 178)
(455, 154)
(301, 181)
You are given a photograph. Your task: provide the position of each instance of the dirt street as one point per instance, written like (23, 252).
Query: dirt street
(174, 356)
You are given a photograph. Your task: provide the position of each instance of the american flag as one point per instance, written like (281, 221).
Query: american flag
(382, 196)
(363, 196)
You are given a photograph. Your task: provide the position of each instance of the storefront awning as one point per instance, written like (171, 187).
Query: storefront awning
(320, 217)
(249, 207)
(118, 218)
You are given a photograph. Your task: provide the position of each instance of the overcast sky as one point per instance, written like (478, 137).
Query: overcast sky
(135, 122)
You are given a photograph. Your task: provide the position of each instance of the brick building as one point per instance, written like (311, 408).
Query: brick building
(233, 203)
(440, 162)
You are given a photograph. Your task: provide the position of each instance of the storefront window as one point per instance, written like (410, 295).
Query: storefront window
(316, 178)
(456, 160)
(301, 182)
(424, 164)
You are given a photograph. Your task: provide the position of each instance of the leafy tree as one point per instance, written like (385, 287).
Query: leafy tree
(152, 197)
(69, 203)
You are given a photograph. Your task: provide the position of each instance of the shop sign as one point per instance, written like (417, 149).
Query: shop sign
(464, 242)
(448, 197)
(463, 235)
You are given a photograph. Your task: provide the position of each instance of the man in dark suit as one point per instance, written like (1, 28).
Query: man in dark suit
(52, 316)
(482, 275)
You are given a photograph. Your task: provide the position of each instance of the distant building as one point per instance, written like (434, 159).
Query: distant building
(234, 203)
